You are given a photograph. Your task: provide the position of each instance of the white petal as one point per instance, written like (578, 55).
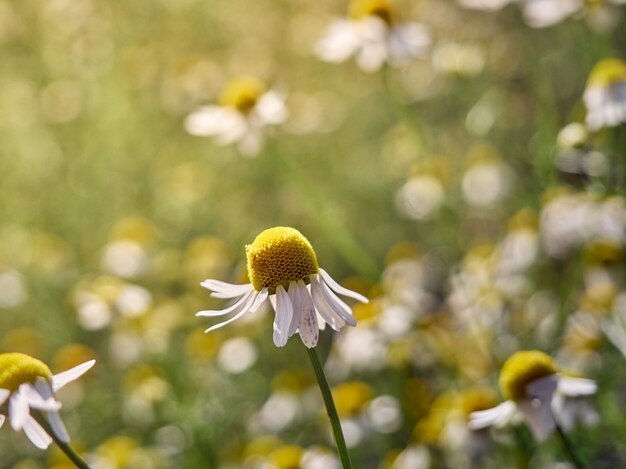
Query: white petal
(18, 410)
(322, 307)
(308, 327)
(537, 409)
(207, 121)
(271, 108)
(338, 306)
(234, 307)
(573, 387)
(2, 418)
(245, 307)
(258, 301)
(38, 401)
(4, 395)
(225, 290)
(61, 379)
(282, 320)
(339, 289)
(36, 434)
(58, 427)
(498, 416)
(296, 302)
(251, 142)
(339, 43)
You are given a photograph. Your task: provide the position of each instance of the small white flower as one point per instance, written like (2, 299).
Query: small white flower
(535, 390)
(245, 108)
(370, 34)
(282, 266)
(27, 383)
(605, 95)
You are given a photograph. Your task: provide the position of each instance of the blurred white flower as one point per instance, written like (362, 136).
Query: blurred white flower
(486, 182)
(544, 13)
(420, 197)
(245, 108)
(27, 383)
(281, 257)
(531, 382)
(605, 95)
(237, 355)
(371, 34)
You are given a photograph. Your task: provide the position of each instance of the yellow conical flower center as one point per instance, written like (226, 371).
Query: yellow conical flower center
(607, 72)
(242, 93)
(279, 256)
(17, 369)
(521, 369)
(362, 8)
(286, 457)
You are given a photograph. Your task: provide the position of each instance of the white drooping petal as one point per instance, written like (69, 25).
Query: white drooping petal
(537, 408)
(322, 307)
(308, 326)
(406, 41)
(284, 315)
(572, 387)
(498, 416)
(206, 121)
(36, 434)
(251, 142)
(339, 289)
(37, 400)
(235, 127)
(271, 108)
(58, 427)
(339, 43)
(225, 290)
(2, 418)
(4, 395)
(260, 298)
(234, 307)
(61, 379)
(296, 303)
(18, 410)
(243, 309)
(338, 306)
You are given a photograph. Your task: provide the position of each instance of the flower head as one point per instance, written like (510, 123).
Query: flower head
(605, 94)
(245, 107)
(282, 266)
(28, 383)
(534, 387)
(371, 33)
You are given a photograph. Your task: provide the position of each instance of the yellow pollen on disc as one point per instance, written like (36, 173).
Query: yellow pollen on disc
(242, 93)
(362, 8)
(279, 256)
(607, 72)
(17, 369)
(521, 369)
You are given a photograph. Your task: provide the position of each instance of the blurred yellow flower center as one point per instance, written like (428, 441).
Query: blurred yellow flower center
(521, 369)
(242, 93)
(17, 369)
(279, 256)
(607, 72)
(363, 8)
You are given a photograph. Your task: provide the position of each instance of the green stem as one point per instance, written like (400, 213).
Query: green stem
(66, 448)
(330, 409)
(569, 449)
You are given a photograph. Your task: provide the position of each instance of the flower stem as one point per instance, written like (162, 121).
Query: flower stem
(569, 449)
(330, 409)
(65, 447)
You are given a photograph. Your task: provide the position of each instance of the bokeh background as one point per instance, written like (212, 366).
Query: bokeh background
(446, 190)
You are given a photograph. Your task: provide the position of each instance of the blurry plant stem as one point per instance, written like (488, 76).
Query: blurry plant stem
(524, 449)
(330, 409)
(346, 244)
(66, 448)
(569, 449)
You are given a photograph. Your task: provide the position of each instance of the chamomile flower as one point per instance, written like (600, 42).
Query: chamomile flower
(282, 267)
(372, 34)
(605, 95)
(27, 383)
(244, 109)
(531, 383)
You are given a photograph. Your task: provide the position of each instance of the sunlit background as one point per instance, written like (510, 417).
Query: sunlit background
(463, 189)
